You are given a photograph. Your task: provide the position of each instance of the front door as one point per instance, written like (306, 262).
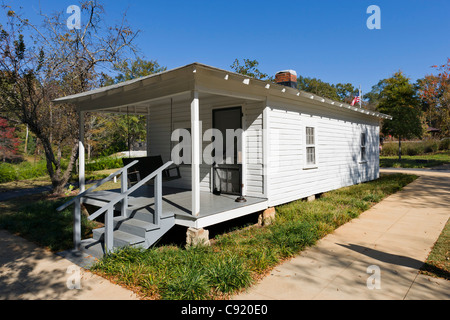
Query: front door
(227, 177)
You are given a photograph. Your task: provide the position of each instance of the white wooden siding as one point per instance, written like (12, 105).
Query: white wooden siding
(253, 126)
(161, 121)
(337, 149)
(160, 129)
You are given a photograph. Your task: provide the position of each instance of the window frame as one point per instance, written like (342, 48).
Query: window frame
(309, 145)
(363, 147)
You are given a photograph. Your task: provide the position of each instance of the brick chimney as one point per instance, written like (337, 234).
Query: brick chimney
(286, 78)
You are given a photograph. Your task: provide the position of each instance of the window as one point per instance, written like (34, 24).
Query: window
(310, 146)
(363, 147)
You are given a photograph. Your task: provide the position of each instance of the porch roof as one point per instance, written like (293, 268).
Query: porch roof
(180, 82)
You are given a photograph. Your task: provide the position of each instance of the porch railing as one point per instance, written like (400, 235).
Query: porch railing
(78, 199)
(122, 197)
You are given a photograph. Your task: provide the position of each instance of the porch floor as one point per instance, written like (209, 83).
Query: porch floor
(213, 208)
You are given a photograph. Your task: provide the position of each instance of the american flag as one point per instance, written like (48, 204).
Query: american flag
(355, 100)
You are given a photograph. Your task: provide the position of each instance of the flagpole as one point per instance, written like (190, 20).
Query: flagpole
(360, 97)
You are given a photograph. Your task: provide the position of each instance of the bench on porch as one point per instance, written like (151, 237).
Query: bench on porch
(146, 166)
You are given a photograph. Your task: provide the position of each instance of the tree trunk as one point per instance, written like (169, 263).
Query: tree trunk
(89, 148)
(59, 177)
(26, 143)
(399, 148)
(59, 188)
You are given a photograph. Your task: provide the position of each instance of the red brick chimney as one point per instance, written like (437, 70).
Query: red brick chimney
(286, 78)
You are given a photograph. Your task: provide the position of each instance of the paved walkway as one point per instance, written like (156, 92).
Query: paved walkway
(28, 272)
(391, 240)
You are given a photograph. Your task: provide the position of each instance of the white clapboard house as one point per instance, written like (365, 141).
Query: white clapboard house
(288, 145)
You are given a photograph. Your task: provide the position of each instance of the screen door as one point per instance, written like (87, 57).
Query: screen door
(227, 172)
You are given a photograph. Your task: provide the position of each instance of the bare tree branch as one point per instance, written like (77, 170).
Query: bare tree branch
(51, 62)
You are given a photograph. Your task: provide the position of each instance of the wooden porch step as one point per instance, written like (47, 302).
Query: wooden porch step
(100, 198)
(103, 195)
(134, 226)
(121, 238)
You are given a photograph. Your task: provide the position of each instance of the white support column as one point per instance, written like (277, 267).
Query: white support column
(266, 146)
(244, 151)
(77, 225)
(148, 131)
(81, 160)
(109, 230)
(195, 163)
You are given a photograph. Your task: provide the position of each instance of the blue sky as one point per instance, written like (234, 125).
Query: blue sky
(326, 39)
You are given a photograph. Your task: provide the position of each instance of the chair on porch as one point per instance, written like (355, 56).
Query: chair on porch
(146, 166)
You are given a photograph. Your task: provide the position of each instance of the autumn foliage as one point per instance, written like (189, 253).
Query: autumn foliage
(8, 141)
(434, 91)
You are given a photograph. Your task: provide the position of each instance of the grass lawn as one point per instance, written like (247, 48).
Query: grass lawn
(45, 181)
(438, 262)
(31, 169)
(35, 218)
(25, 184)
(238, 258)
(419, 161)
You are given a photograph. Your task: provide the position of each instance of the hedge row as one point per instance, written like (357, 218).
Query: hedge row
(411, 148)
(22, 171)
(28, 170)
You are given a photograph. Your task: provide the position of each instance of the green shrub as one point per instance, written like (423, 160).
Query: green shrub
(189, 285)
(7, 172)
(389, 149)
(105, 163)
(28, 170)
(228, 274)
(415, 148)
(430, 146)
(444, 144)
(22, 171)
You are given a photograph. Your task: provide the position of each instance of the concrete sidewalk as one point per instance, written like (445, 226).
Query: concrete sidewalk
(28, 272)
(391, 240)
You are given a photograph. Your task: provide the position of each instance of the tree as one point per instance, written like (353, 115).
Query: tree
(434, 91)
(318, 87)
(397, 97)
(346, 92)
(374, 95)
(121, 132)
(338, 92)
(249, 68)
(52, 62)
(8, 141)
(136, 69)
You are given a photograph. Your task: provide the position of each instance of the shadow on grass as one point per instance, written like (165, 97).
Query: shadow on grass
(435, 271)
(36, 219)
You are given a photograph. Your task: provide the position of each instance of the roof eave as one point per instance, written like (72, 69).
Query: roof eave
(191, 68)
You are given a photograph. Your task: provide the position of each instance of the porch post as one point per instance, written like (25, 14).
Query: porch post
(148, 131)
(81, 161)
(195, 163)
